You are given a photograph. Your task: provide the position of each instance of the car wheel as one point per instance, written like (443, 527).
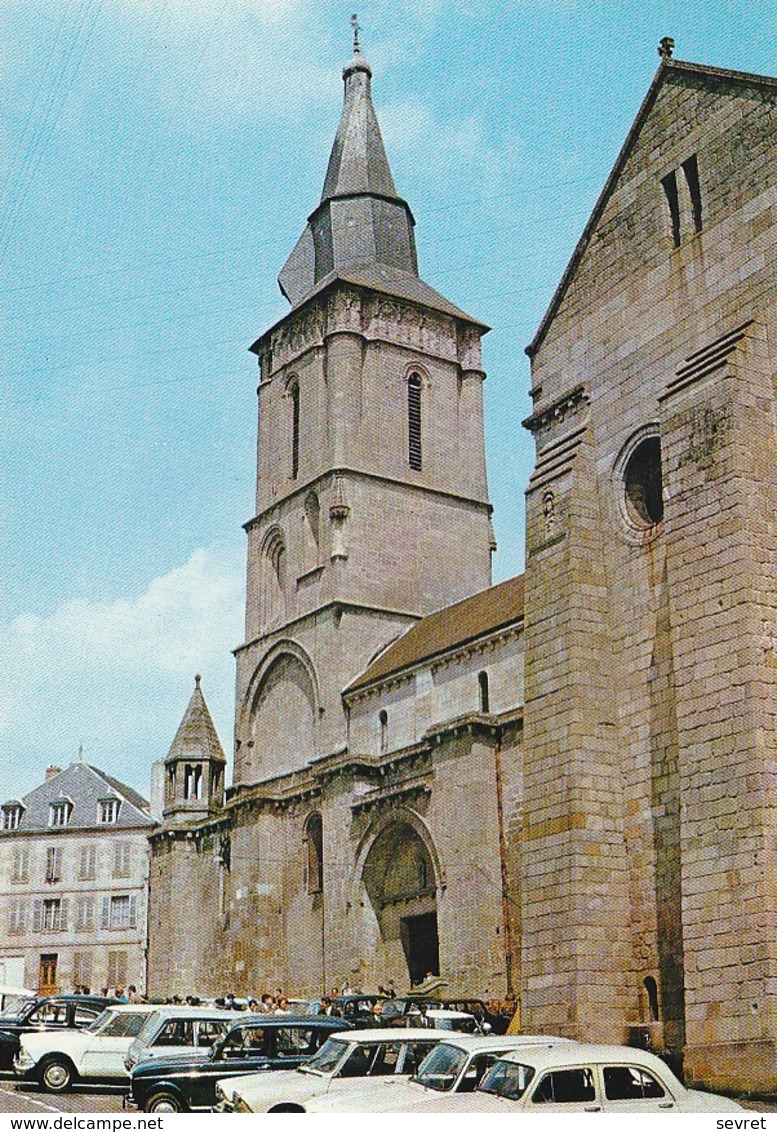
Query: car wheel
(286, 1108)
(163, 1101)
(56, 1075)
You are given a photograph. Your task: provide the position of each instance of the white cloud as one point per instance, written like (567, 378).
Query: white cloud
(117, 675)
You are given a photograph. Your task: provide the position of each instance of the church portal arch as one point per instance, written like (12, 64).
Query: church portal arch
(396, 884)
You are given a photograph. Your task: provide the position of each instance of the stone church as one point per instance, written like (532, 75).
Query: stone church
(559, 789)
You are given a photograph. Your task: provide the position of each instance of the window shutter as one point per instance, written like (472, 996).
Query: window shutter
(106, 918)
(92, 855)
(22, 913)
(37, 915)
(89, 915)
(58, 862)
(63, 914)
(133, 912)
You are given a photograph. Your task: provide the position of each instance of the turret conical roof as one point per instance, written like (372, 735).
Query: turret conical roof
(196, 737)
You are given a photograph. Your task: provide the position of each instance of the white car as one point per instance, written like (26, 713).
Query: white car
(342, 1064)
(437, 1018)
(454, 1066)
(580, 1078)
(56, 1059)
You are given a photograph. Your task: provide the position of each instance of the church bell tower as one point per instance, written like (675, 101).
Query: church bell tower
(371, 499)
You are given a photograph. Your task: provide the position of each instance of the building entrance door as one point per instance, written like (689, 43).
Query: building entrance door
(47, 979)
(421, 945)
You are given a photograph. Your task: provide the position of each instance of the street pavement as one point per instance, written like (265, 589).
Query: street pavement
(29, 1099)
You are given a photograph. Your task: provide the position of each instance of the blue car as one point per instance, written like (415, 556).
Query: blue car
(257, 1041)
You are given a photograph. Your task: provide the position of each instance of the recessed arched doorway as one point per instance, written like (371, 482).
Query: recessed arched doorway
(399, 881)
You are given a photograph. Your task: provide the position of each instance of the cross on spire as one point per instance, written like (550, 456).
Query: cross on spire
(356, 29)
(666, 47)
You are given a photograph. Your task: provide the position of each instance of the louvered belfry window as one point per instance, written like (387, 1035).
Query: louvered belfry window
(294, 431)
(414, 421)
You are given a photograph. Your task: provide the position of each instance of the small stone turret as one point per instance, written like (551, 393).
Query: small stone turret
(194, 766)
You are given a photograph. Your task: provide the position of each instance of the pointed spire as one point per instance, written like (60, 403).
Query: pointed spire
(361, 219)
(358, 162)
(196, 737)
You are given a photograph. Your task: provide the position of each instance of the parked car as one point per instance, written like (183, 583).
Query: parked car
(12, 997)
(341, 1065)
(358, 1009)
(56, 1059)
(454, 1066)
(580, 1078)
(172, 1030)
(58, 1012)
(257, 1041)
(439, 1019)
(395, 1008)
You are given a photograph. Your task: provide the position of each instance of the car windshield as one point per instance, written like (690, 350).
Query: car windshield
(96, 1026)
(327, 1058)
(440, 1070)
(149, 1026)
(507, 1079)
(118, 1024)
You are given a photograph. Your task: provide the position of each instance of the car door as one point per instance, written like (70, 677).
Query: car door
(475, 1069)
(105, 1051)
(565, 1090)
(631, 1088)
(248, 1049)
(51, 1015)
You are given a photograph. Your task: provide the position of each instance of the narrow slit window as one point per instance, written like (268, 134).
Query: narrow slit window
(670, 189)
(484, 700)
(383, 718)
(691, 171)
(414, 421)
(294, 431)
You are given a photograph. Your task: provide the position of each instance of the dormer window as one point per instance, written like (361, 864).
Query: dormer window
(12, 815)
(108, 811)
(59, 813)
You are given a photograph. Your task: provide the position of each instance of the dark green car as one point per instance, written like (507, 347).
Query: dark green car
(255, 1042)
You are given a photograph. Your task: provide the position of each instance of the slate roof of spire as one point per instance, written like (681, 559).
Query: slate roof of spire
(358, 162)
(362, 230)
(196, 737)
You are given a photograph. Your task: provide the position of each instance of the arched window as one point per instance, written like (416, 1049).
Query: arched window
(642, 484)
(312, 525)
(483, 682)
(414, 421)
(314, 837)
(294, 394)
(383, 717)
(192, 782)
(652, 997)
(274, 578)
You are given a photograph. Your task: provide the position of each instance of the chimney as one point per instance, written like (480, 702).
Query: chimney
(51, 771)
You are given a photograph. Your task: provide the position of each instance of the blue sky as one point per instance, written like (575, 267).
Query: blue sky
(162, 156)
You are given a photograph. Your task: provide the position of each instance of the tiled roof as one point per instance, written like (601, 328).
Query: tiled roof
(447, 629)
(84, 786)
